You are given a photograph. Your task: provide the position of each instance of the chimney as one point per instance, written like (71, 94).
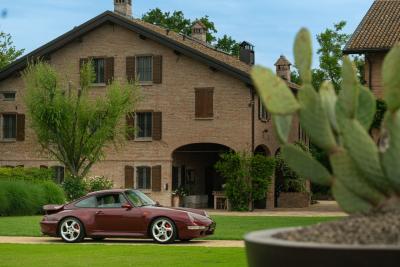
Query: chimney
(246, 53)
(283, 68)
(123, 7)
(199, 31)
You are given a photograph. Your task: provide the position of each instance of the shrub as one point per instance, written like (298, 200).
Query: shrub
(98, 183)
(27, 198)
(53, 193)
(26, 174)
(74, 187)
(246, 178)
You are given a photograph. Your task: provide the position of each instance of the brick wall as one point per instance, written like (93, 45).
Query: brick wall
(174, 97)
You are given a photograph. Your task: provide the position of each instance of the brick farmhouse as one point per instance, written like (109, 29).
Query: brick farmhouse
(377, 33)
(197, 102)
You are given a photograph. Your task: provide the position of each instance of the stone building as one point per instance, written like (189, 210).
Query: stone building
(197, 102)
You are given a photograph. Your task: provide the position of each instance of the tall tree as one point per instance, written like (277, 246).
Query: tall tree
(331, 43)
(8, 52)
(177, 22)
(70, 124)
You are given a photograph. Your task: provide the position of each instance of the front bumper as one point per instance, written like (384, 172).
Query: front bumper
(49, 228)
(197, 231)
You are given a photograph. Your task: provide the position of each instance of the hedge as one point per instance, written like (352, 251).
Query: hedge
(26, 174)
(19, 197)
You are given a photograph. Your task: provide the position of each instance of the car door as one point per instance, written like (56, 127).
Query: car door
(112, 218)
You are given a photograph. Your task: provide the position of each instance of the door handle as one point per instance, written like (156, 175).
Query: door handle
(99, 213)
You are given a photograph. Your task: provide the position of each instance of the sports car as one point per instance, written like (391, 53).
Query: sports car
(123, 213)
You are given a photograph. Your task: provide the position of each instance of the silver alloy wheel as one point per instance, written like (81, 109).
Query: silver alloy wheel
(162, 230)
(70, 230)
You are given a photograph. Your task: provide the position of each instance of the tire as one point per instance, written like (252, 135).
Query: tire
(71, 230)
(163, 231)
(98, 238)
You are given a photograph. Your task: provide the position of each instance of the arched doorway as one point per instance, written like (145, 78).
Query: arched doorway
(262, 150)
(193, 169)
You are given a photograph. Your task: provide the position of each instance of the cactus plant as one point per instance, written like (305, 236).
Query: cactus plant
(363, 176)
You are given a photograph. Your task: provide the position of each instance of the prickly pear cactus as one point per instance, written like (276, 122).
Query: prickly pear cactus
(363, 176)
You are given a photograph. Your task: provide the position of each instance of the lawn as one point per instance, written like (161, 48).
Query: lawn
(228, 227)
(117, 255)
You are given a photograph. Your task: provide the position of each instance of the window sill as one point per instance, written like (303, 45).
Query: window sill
(204, 119)
(98, 85)
(144, 139)
(8, 141)
(145, 83)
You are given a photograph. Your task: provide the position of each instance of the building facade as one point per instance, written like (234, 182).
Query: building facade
(377, 33)
(197, 102)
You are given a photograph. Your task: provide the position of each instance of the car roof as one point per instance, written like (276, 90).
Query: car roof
(107, 191)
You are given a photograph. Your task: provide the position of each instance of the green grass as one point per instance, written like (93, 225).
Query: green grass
(116, 255)
(228, 227)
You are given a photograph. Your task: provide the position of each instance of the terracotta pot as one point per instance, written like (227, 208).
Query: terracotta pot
(176, 201)
(263, 250)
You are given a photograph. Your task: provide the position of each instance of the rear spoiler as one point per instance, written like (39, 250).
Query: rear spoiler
(50, 209)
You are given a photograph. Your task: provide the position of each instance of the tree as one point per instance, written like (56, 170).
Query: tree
(70, 124)
(8, 52)
(331, 42)
(177, 22)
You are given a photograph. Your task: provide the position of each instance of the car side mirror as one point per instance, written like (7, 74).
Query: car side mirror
(158, 204)
(126, 206)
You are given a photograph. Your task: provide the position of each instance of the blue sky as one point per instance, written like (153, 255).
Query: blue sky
(270, 25)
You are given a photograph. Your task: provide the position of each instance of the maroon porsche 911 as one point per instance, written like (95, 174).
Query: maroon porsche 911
(123, 213)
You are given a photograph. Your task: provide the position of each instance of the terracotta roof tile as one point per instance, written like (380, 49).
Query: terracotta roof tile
(379, 30)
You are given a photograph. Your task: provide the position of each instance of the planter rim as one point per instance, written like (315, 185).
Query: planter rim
(265, 237)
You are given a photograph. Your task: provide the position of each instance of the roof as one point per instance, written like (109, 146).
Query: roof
(283, 61)
(180, 43)
(379, 30)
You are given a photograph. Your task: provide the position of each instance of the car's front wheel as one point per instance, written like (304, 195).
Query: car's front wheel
(163, 230)
(71, 230)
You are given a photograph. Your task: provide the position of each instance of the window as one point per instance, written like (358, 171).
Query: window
(144, 68)
(9, 96)
(9, 126)
(144, 124)
(58, 174)
(143, 175)
(263, 113)
(98, 64)
(204, 103)
(89, 202)
(111, 201)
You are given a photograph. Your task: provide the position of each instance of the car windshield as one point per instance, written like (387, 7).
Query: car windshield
(139, 199)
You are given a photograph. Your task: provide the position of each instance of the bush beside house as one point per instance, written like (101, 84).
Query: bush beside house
(25, 191)
(247, 178)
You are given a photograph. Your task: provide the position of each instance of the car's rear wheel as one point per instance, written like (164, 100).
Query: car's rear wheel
(163, 230)
(71, 230)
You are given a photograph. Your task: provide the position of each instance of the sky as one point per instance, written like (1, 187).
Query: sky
(268, 24)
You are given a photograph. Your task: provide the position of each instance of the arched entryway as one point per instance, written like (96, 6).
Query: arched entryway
(193, 169)
(262, 150)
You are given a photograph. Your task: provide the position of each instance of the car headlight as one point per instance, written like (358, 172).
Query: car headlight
(191, 218)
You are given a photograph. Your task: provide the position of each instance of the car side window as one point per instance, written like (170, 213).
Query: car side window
(111, 201)
(89, 202)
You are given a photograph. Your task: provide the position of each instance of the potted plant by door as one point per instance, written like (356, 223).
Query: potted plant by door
(177, 196)
(364, 176)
